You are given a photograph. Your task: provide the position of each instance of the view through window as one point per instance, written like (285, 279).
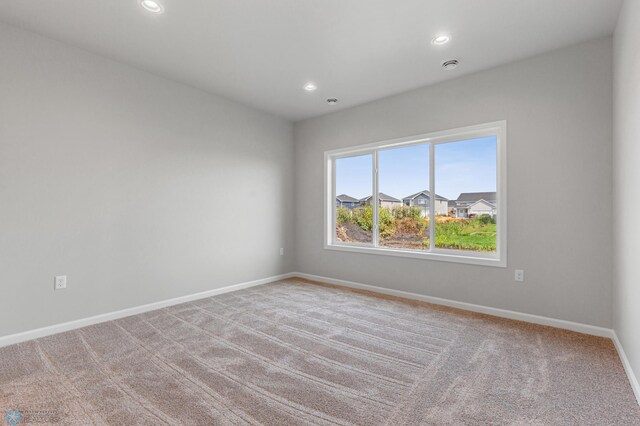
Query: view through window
(465, 173)
(354, 185)
(389, 197)
(403, 201)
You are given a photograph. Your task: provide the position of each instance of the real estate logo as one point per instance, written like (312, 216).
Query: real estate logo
(13, 417)
(23, 416)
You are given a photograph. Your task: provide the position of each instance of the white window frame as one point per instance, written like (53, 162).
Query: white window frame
(499, 258)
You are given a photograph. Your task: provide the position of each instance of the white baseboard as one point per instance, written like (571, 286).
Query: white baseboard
(627, 366)
(503, 313)
(72, 325)
(536, 319)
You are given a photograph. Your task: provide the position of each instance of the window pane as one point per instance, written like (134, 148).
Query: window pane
(465, 173)
(403, 180)
(354, 185)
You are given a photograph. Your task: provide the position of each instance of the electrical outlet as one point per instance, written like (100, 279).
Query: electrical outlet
(281, 251)
(60, 282)
(519, 275)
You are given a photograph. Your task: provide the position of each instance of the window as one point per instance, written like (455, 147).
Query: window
(439, 196)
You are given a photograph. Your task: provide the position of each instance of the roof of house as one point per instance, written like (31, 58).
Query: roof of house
(382, 197)
(426, 193)
(472, 197)
(344, 198)
(483, 201)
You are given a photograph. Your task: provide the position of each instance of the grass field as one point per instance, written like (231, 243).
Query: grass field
(469, 234)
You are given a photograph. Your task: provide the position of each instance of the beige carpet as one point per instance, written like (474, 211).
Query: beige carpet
(293, 353)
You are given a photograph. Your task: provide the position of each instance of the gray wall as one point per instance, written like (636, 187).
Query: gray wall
(132, 185)
(626, 181)
(559, 112)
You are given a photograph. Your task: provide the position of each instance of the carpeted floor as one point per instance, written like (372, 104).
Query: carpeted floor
(293, 353)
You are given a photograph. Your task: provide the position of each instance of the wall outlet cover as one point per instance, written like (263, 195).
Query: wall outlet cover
(60, 282)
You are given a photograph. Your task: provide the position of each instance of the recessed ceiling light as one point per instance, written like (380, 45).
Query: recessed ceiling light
(310, 87)
(152, 6)
(450, 65)
(440, 40)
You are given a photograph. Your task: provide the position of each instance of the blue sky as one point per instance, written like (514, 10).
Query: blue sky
(465, 166)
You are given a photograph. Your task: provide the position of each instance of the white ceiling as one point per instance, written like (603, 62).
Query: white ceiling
(261, 52)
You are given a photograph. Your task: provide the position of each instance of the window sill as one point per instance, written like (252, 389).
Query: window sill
(467, 257)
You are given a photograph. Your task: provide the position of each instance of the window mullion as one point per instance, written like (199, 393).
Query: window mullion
(333, 201)
(374, 199)
(432, 198)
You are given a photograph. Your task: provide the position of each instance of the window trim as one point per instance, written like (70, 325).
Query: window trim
(496, 128)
